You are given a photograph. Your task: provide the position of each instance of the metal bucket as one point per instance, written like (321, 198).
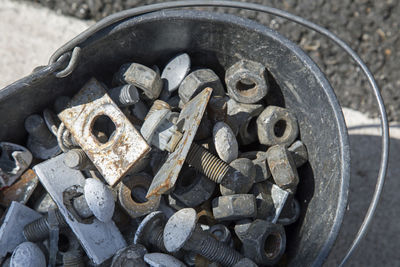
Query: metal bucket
(217, 41)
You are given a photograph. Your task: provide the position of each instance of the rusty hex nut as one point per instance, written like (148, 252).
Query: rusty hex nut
(196, 81)
(282, 167)
(193, 188)
(234, 207)
(140, 76)
(132, 200)
(246, 81)
(262, 241)
(277, 125)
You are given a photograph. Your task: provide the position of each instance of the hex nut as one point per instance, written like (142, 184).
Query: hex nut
(140, 76)
(221, 233)
(241, 118)
(299, 153)
(217, 108)
(244, 182)
(283, 168)
(277, 125)
(175, 203)
(196, 81)
(263, 242)
(193, 188)
(246, 81)
(234, 207)
(136, 205)
(225, 142)
(264, 201)
(259, 159)
(131, 255)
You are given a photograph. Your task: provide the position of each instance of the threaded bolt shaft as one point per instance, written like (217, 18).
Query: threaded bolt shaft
(39, 230)
(210, 248)
(76, 159)
(157, 105)
(206, 163)
(124, 95)
(73, 258)
(156, 239)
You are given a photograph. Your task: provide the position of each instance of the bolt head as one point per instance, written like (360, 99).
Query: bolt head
(27, 254)
(179, 228)
(99, 199)
(175, 71)
(162, 259)
(146, 226)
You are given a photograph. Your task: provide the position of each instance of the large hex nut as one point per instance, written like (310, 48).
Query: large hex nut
(277, 125)
(142, 77)
(263, 242)
(234, 207)
(131, 195)
(193, 188)
(240, 184)
(283, 168)
(259, 159)
(246, 81)
(196, 81)
(242, 119)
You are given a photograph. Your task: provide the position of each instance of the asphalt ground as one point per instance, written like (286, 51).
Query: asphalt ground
(29, 34)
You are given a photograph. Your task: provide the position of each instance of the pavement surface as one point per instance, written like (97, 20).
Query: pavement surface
(29, 34)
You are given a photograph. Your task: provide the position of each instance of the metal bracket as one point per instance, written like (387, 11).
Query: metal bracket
(125, 146)
(100, 240)
(190, 118)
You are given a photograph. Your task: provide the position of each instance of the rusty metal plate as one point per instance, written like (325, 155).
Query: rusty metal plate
(21, 191)
(125, 146)
(100, 240)
(188, 122)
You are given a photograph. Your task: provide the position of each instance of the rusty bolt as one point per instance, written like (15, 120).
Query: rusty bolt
(277, 125)
(150, 231)
(124, 95)
(130, 256)
(299, 153)
(242, 119)
(282, 167)
(131, 195)
(140, 76)
(182, 231)
(225, 142)
(244, 182)
(39, 230)
(196, 81)
(193, 188)
(263, 242)
(246, 81)
(234, 207)
(27, 254)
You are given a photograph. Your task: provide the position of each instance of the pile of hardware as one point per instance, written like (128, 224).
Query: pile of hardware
(164, 169)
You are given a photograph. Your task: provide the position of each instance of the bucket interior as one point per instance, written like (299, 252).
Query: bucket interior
(217, 41)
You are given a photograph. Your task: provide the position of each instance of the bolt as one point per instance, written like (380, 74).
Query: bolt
(39, 230)
(130, 256)
(234, 207)
(225, 142)
(182, 231)
(78, 160)
(27, 254)
(150, 231)
(125, 95)
(243, 185)
(175, 71)
(160, 259)
(73, 258)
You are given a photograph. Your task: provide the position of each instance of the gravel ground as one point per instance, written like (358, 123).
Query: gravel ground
(371, 27)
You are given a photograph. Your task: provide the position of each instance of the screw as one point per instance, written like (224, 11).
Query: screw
(150, 231)
(124, 95)
(39, 230)
(182, 231)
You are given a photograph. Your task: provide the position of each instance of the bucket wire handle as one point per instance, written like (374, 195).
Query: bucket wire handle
(76, 42)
